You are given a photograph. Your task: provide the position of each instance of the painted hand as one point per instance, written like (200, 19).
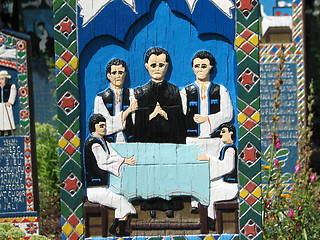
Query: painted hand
(158, 110)
(203, 157)
(130, 161)
(200, 118)
(8, 104)
(133, 106)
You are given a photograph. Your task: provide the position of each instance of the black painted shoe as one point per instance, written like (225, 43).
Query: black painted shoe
(211, 224)
(153, 213)
(170, 213)
(113, 228)
(194, 210)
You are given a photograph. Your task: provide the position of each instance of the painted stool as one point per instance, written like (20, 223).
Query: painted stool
(94, 210)
(227, 207)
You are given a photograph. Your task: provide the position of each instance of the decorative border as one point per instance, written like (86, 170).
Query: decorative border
(29, 224)
(248, 117)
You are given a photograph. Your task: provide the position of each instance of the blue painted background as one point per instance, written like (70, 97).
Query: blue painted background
(120, 18)
(165, 28)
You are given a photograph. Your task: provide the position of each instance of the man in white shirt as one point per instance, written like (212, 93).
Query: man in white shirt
(223, 171)
(116, 103)
(206, 105)
(100, 161)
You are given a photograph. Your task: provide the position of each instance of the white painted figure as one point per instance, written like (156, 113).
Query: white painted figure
(223, 171)
(206, 105)
(8, 93)
(117, 103)
(100, 160)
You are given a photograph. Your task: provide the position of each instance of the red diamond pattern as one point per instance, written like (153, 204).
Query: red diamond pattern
(251, 186)
(249, 111)
(70, 149)
(246, 34)
(68, 135)
(251, 200)
(249, 124)
(67, 70)
(247, 47)
(67, 56)
(74, 236)
(73, 221)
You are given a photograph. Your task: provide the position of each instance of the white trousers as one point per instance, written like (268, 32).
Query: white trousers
(220, 191)
(103, 196)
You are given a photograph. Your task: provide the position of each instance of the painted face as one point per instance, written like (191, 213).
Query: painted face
(2, 81)
(101, 129)
(226, 136)
(201, 68)
(117, 75)
(157, 66)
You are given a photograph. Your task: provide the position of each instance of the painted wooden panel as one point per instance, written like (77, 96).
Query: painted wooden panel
(127, 30)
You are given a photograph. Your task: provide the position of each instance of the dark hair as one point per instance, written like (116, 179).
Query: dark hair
(204, 55)
(94, 119)
(116, 62)
(230, 127)
(157, 51)
(40, 24)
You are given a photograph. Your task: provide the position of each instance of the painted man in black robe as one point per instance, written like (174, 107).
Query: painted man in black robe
(159, 118)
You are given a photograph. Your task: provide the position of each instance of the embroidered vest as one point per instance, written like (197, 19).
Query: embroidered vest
(108, 98)
(231, 177)
(193, 106)
(95, 176)
(6, 92)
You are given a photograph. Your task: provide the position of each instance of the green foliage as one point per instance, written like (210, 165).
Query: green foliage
(9, 231)
(47, 156)
(48, 176)
(39, 237)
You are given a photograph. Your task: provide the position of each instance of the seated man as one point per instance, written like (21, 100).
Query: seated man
(223, 171)
(100, 160)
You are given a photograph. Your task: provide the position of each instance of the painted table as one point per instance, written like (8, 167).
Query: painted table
(162, 170)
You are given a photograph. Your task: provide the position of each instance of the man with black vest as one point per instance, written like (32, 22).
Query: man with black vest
(206, 106)
(8, 93)
(100, 161)
(223, 171)
(117, 103)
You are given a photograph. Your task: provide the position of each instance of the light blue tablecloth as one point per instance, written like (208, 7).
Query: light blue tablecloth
(161, 170)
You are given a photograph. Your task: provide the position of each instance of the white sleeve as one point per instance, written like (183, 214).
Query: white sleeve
(13, 94)
(108, 162)
(226, 110)
(114, 123)
(218, 168)
(183, 95)
(131, 98)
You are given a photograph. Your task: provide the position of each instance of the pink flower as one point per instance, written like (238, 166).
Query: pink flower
(291, 213)
(278, 143)
(298, 168)
(276, 162)
(313, 178)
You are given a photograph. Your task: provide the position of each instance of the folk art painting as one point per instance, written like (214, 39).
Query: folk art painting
(149, 99)
(18, 191)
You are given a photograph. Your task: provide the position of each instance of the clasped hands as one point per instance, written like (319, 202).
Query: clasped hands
(158, 110)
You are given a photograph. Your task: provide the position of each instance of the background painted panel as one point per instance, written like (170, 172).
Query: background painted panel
(12, 176)
(288, 110)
